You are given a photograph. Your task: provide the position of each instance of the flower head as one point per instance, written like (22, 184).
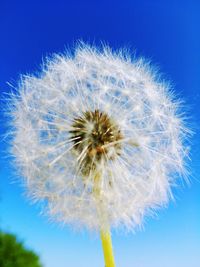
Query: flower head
(98, 127)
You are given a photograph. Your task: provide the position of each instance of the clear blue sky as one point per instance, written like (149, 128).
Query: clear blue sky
(168, 33)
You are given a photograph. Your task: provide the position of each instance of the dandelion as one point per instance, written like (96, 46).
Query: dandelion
(98, 136)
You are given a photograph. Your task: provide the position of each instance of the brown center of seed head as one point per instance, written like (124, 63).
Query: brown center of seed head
(97, 137)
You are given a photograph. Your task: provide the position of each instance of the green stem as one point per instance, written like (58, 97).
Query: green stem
(105, 230)
(107, 248)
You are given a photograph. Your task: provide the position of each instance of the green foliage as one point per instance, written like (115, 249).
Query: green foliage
(14, 254)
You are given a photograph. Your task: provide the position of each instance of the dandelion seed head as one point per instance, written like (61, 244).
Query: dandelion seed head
(98, 121)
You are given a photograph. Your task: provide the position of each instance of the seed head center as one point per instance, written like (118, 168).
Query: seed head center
(96, 137)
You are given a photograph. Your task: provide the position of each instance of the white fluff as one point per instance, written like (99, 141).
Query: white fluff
(142, 105)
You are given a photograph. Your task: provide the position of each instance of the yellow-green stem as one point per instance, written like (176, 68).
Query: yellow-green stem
(107, 248)
(104, 232)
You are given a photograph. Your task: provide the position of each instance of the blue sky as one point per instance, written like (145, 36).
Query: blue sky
(168, 33)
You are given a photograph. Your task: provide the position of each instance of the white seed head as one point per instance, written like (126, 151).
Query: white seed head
(98, 127)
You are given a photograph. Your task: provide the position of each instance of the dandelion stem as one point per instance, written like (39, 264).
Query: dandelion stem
(105, 229)
(107, 248)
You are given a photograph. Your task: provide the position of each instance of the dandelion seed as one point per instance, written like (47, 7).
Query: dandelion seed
(99, 136)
